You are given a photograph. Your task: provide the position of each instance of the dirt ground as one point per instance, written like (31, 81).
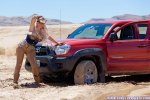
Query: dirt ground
(114, 87)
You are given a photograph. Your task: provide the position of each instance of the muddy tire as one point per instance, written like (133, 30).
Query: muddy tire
(85, 72)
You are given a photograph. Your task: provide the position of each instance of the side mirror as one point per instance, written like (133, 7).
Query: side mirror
(112, 37)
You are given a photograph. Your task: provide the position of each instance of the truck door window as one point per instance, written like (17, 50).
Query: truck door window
(142, 30)
(127, 33)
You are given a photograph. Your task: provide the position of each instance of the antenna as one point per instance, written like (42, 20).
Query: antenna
(60, 24)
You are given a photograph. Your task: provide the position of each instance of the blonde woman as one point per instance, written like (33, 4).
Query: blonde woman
(38, 33)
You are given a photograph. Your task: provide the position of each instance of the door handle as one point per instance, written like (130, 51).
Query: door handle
(142, 46)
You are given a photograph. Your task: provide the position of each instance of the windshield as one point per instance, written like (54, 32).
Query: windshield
(90, 31)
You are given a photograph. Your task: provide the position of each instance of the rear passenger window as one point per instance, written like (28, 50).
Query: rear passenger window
(142, 30)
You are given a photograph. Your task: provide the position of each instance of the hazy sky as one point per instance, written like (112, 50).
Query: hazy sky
(74, 10)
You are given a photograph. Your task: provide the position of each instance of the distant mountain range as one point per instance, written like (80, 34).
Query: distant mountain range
(20, 20)
(122, 17)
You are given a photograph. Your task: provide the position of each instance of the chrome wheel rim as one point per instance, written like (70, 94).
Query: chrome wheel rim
(89, 76)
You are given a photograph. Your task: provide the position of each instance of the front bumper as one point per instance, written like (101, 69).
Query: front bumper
(52, 66)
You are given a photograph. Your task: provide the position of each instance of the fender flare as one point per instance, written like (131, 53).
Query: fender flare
(102, 59)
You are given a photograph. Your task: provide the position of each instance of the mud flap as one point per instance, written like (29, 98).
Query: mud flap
(102, 77)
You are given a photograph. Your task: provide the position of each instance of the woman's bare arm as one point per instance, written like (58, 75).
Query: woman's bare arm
(51, 39)
(45, 33)
(33, 23)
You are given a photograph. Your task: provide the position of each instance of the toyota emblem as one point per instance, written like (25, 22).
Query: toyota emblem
(38, 49)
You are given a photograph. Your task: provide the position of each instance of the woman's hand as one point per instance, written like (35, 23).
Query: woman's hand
(59, 44)
(34, 19)
(32, 24)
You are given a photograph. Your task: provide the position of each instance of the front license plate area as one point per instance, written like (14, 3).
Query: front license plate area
(38, 62)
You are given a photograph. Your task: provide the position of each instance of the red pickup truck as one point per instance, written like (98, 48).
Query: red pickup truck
(96, 50)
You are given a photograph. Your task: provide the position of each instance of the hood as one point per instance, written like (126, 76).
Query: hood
(81, 41)
(74, 42)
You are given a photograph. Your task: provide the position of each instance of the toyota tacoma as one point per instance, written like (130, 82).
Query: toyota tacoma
(96, 50)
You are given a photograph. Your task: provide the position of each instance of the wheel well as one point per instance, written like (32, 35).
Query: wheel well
(94, 58)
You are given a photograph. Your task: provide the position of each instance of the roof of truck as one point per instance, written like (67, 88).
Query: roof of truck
(113, 21)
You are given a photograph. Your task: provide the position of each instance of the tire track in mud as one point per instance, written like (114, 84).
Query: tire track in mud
(144, 91)
(63, 91)
(115, 86)
(6, 83)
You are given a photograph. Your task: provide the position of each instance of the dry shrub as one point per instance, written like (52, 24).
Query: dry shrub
(2, 51)
(10, 51)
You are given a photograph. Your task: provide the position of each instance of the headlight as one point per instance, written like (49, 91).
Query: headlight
(60, 50)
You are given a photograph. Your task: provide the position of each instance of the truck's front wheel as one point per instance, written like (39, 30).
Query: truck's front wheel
(85, 73)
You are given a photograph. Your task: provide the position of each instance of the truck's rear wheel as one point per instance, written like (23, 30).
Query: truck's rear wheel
(85, 73)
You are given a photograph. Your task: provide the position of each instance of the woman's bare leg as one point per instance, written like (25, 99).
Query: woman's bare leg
(31, 58)
(20, 56)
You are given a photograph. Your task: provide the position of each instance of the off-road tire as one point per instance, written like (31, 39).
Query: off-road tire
(85, 72)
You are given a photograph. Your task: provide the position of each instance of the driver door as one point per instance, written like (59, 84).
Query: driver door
(129, 53)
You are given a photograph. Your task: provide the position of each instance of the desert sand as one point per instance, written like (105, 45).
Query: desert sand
(114, 87)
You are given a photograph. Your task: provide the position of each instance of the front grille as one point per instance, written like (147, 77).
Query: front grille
(43, 62)
(44, 50)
